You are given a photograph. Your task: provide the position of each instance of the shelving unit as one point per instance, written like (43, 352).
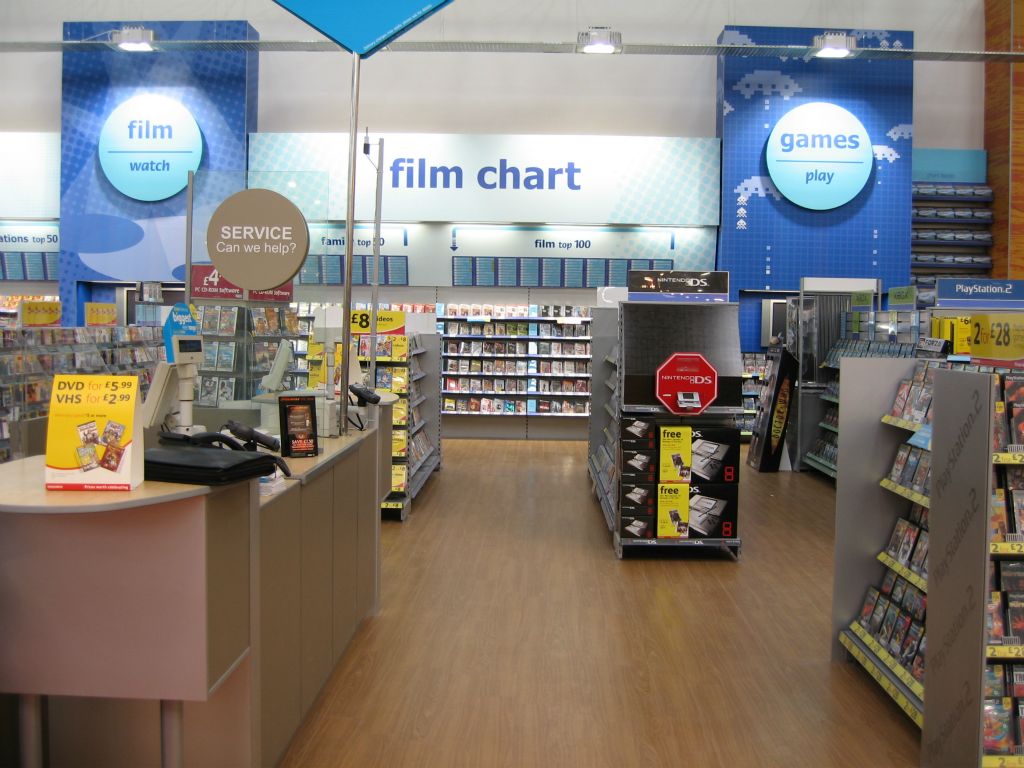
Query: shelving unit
(983, 555)
(863, 334)
(525, 362)
(30, 358)
(867, 511)
(754, 366)
(408, 366)
(603, 437)
(240, 343)
(664, 482)
(951, 231)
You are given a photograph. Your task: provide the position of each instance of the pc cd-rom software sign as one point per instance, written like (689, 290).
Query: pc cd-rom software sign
(257, 239)
(147, 147)
(819, 156)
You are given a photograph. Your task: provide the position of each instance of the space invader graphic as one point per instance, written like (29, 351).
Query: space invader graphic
(883, 152)
(901, 131)
(761, 186)
(767, 82)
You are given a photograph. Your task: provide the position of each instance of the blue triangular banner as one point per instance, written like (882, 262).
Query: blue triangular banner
(361, 27)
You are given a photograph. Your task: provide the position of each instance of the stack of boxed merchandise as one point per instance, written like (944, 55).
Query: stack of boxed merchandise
(678, 482)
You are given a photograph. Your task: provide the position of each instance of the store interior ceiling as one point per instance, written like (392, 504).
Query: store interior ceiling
(469, 46)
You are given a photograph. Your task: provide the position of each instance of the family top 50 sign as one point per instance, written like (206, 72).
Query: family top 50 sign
(148, 145)
(819, 156)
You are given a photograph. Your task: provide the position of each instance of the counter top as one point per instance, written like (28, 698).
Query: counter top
(24, 491)
(331, 448)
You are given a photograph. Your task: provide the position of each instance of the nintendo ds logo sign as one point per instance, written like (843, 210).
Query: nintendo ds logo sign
(147, 147)
(819, 156)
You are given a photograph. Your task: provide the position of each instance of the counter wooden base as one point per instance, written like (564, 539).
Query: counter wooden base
(237, 604)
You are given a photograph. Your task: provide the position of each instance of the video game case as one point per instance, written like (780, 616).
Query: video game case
(996, 719)
(898, 532)
(638, 433)
(913, 459)
(1015, 680)
(878, 614)
(868, 607)
(900, 463)
(888, 624)
(899, 634)
(919, 409)
(1000, 423)
(915, 602)
(915, 393)
(994, 625)
(1017, 424)
(907, 545)
(888, 582)
(918, 561)
(1011, 575)
(1013, 389)
(1017, 498)
(899, 590)
(994, 682)
(900, 403)
(999, 524)
(910, 644)
(1015, 614)
(917, 667)
(921, 480)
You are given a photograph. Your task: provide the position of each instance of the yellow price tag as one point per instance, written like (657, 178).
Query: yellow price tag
(388, 321)
(997, 336)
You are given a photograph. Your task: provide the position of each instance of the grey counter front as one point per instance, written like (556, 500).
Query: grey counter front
(238, 604)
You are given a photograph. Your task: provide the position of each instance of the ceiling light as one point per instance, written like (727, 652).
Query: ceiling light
(599, 40)
(834, 45)
(134, 39)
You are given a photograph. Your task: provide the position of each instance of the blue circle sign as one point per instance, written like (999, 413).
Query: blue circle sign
(819, 156)
(148, 145)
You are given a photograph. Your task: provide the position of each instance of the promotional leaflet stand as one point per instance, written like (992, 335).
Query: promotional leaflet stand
(676, 448)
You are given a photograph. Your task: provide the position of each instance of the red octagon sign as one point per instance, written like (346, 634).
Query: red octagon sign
(686, 383)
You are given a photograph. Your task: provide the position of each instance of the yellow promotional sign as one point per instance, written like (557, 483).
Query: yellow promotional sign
(673, 511)
(675, 453)
(94, 435)
(962, 335)
(315, 359)
(100, 315)
(997, 336)
(388, 321)
(39, 314)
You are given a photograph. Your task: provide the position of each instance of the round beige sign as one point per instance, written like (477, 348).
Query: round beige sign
(257, 239)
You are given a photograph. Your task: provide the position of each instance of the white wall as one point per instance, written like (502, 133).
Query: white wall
(519, 93)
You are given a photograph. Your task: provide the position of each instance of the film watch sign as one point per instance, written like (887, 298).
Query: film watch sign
(148, 145)
(257, 239)
(819, 156)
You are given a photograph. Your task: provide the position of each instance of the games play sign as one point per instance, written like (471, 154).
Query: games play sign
(686, 383)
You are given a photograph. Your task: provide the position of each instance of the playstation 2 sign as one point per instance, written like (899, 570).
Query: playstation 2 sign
(819, 156)
(148, 145)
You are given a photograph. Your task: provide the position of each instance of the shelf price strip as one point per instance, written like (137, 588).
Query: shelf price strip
(905, 492)
(1008, 458)
(1002, 761)
(910, 426)
(887, 685)
(1006, 548)
(916, 687)
(914, 578)
(1005, 652)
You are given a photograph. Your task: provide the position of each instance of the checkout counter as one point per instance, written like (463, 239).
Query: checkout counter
(219, 612)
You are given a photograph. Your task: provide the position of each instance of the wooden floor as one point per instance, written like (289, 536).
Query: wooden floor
(510, 635)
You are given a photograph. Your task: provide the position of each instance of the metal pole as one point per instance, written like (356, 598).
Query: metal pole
(172, 734)
(350, 216)
(375, 285)
(189, 198)
(30, 730)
